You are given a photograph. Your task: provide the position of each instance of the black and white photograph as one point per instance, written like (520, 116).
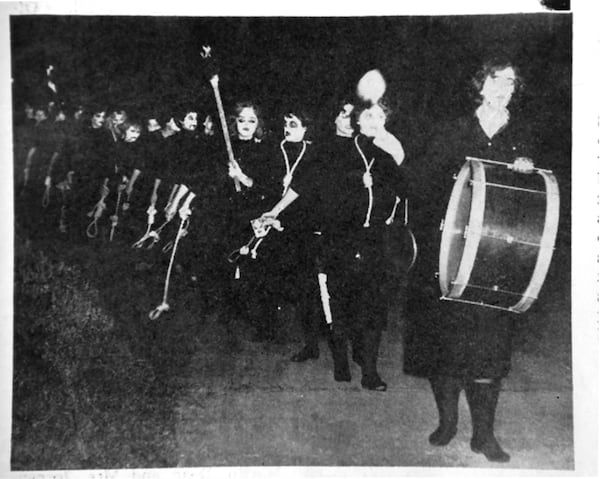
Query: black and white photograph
(249, 242)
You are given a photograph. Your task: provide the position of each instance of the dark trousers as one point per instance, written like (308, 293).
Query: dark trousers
(357, 282)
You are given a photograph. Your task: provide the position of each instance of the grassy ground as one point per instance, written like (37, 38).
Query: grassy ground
(95, 392)
(99, 385)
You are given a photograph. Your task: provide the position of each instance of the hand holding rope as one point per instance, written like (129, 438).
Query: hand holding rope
(151, 212)
(64, 187)
(177, 192)
(184, 214)
(261, 227)
(114, 219)
(92, 229)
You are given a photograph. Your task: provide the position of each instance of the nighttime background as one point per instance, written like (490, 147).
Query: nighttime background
(145, 62)
(96, 385)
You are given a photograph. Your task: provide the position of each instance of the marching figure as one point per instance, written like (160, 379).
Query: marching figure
(455, 345)
(254, 171)
(357, 189)
(365, 193)
(293, 252)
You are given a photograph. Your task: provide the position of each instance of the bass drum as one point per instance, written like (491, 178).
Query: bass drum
(498, 235)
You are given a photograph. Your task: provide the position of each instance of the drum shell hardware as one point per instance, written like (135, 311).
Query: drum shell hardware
(498, 235)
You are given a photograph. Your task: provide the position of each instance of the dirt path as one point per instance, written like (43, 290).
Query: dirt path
(246, 404)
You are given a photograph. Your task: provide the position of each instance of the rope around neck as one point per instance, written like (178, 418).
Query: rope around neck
(366, 175)
(289, 172)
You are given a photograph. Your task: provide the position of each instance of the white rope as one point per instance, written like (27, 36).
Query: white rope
(114, 219)
(177, 192)
(48, 182)
(289, 172)
(367, 175)
(151, 212)
(184, 214)
(96, 212)
(46, 195)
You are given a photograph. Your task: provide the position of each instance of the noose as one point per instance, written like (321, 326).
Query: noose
(114, 219)
(96, 212)
(177, 193)
(151, 212)
(184, 214)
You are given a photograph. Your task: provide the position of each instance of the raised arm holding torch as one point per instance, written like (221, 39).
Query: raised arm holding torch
(214, 81)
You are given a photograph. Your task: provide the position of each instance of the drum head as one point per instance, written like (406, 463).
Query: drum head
(498, 235)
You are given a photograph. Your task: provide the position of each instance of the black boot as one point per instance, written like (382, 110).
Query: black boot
(339, 352)
(446, 391)
(369, 350)
(482, 399)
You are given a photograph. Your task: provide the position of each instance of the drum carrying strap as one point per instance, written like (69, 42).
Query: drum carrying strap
(368, 181)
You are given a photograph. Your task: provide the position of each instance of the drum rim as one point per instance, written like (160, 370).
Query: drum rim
(472, 229)
(547, 242)
(473, 236)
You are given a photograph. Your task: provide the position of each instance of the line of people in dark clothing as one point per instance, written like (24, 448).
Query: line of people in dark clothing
(334, 202)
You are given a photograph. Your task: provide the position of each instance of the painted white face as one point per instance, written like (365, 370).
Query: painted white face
(190, 121)
(172, 125)
(343, 122)
(98, 119)
(40, 115)
(117, 118)
(29, 112)
(372, 121)
(247, 123)
(152, 125)
(60, 116)
(498, 88)
(132, 134)
(293, 130)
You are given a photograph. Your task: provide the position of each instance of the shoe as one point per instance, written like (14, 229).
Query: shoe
(342, 376)
(373, 383)
(446, 391)
(305, 354)
(442, 436)
(490, 449)
(483, 399)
